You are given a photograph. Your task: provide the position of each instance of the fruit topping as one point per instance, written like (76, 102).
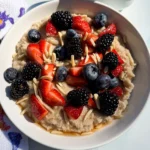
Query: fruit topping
(108, 103)
(120, 61)
(91, 103)
(51, 29)
(75, 71)
(62, 20)
(61, 74)
(78, 97)
(71, 34)
(34, 36)
(44, 46)
(117, 90)
(10, 75)
(104, 42)
(90, 72)
(31, 70)
(117, 71)
(19, 88)
(114, 82)
(84, 62)
(100, 20)
(37, 109)
(110, 60)
(91, 37)
(73, 112)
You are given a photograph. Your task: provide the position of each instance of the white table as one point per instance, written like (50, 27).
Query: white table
(138, 137)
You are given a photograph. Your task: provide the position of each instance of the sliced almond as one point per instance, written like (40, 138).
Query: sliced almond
(93, 43)
(72, 61)
(60, 38)
(85, 36)
(96, 98)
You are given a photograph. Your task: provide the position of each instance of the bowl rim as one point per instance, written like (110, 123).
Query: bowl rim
(129, 125)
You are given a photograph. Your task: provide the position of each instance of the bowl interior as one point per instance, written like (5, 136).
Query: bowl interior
(141, 81)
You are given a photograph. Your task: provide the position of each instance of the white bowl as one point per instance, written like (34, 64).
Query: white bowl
(141, 81)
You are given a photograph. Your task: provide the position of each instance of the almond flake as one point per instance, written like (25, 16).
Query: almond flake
(86, 49)
(86, 58)
(96, 98)
(85, 36)
(93, 43)
(53, 58)
(72, 61)
(60, 38)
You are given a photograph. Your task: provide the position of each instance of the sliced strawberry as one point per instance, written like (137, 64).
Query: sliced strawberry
(48, 70)
(54, 98)
(44, 46)
(50, 29)
(90, 50)
(117, 90)
(75, 81)
(91, 36)
(37, 109)
(73, 112)
(75, 71)
(34, 54)
(117, 71)
(119, 58)
(111, 29)
(45, 86)
(91, 103)
(83, 63)
(77, 18)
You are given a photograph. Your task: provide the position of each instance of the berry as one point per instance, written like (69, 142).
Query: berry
(120, 61)
(117, 90)
(44, 46)
(61, 74)
(62, 20)
(100, 20)
(89, 37)
(60, 52)
(104, 42)
(71, 34)
(91, 103)
(111, 29)
(37, 108)
(75, 81)
(34, 53)
(110, 60)
(31, 70)
(114, 82)
(73, 112)
(50, 29)
(10, 75)
(18, 89)
(90, 72)
(117, 71)
(34, 36)
(78, 97)
(74, 48)
(108, 103)
(75, 71)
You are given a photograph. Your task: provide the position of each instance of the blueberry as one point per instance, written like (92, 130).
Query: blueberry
(60, 52)
(71, 33)
(61, 74)
(10, 75)
(114, 82)
(34, 36)
(100, 20)
(90, 72)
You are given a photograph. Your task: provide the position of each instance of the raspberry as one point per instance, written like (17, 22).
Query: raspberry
(50, 29)
(117, 71)
(117, 90)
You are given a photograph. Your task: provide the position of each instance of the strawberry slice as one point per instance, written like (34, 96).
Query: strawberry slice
(34, 54)
(83, 63)
(119, 58)
(50, 29)
(77, 19)
(117, 71)
(91, 36)
(73, 112)
(111, 29)
(75, 81)
(45, 86)
(44, 46)
(75, 71)
(37, 109)
(117, 90)
(54, 98)
(91, 103)
(48, 70)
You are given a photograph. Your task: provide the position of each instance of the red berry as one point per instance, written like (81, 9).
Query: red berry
(91, 103)
(117, 90)
(50, 29)
(75, 71)
(117, 71)
(119, 58)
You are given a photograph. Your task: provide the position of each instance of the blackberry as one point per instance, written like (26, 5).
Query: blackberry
(110, 60)
(108, 103)
(104, 42)
(19, 88)
(62, 20)
(78, 97)
(73, 47)
(31, 70)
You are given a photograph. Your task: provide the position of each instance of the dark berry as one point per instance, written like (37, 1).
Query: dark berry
(34, 36)
(114, 82)
(60, 52)
(90, 72)
(31, 70)
(61, 74)
(19, 88)
(10, 75)
(62, 20)
(100, 20)
(104, 42)
(110, 60)
(71, 34)
(108, 103)
(74, 48)
(78, 97)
